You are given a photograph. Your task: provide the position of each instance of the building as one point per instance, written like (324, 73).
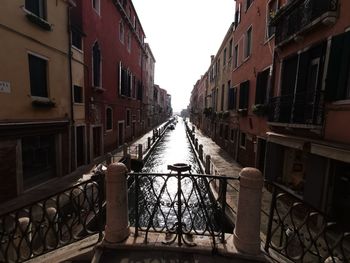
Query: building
(149, 65)
(251, 73)
(309, 146)
(35, 95)
(113, 49)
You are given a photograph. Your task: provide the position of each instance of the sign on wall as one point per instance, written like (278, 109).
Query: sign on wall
(5, 87)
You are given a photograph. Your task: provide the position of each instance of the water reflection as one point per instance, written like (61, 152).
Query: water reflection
(158, 195)
(173, 148)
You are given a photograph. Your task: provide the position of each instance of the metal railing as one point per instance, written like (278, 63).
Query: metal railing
(300, 108)
(53, 222)
(180, 204)
(302, 233)
(299, 15)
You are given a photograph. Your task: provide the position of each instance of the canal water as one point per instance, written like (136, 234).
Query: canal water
(158, 194)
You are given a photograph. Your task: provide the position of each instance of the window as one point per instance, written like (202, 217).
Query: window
(109, 119)
(38, 159)
(96, 5)
(139, 90)
(222, 97)
(128, 117)
(121, 32)
(261, 86)
(248, 43)
(338, 75)
(37, 7)
(78, 94)
(238, 15)
(244, 95)
(224, 58)
(129, 42)
(248, 3)
(242, 140)
(38, 76)
(230, 49)
(236, 57)
(232, 98)
(96, 63)
(271, 12)
(76, 39)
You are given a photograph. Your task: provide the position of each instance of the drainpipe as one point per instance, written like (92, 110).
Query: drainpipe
(71, 133)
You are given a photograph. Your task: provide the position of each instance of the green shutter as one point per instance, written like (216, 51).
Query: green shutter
(338, 65)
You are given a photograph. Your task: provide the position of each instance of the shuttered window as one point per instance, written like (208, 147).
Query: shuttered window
(232, 98)
(109, 119)
(37, 7)
(261, 86)
(244, 95)
(38, 76)
(96, 65)
(337, 81)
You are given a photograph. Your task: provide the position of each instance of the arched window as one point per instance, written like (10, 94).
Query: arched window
(96, 62)
(121, 31)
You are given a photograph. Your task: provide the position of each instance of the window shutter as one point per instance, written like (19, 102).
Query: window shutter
(344, 67)
(120, 77)
(304, 61)
(334, 68)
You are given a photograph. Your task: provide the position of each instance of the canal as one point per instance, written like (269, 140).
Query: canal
(157, 194)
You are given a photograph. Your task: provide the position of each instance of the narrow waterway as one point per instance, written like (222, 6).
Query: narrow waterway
(173, 148)
(158, 194)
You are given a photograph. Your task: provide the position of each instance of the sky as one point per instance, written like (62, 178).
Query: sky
(182, 35)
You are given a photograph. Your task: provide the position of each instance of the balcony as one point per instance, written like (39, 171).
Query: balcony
(300, 110)
(299, 16)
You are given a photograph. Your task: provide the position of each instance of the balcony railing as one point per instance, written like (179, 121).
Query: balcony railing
(302, 233)
(305, 108)
(299, 15)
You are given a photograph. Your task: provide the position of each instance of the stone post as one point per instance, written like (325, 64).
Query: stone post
(117, 219)
(193, 129)
(207, 164)
(246, 236)
(200, 152)
(196, 144)
(125, 150)
(149, 142)
(140, 154)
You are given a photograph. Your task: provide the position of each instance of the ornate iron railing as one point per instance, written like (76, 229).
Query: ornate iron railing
(302, 233)
(299, 14)
(300, 108)
(53, 222)
(180, 204)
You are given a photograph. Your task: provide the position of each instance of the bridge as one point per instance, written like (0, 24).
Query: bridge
(119, 215)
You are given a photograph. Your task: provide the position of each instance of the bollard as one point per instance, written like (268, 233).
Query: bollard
(246, 236)
(125, 149)
(193, 128)
(117, 219)
(109, 158)
(196, 144)
(148, 142)
(207, 164)
(200, 152)
(154, 138)
(140, 154)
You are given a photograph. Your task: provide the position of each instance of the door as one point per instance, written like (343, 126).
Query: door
(80, 148)
(96, 138)
(120, 133)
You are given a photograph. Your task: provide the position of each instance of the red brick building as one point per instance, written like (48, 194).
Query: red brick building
(252, 67)
(113, 46)
(309, 146)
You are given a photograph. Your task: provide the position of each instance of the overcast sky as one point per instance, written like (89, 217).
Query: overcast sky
(182, 35)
